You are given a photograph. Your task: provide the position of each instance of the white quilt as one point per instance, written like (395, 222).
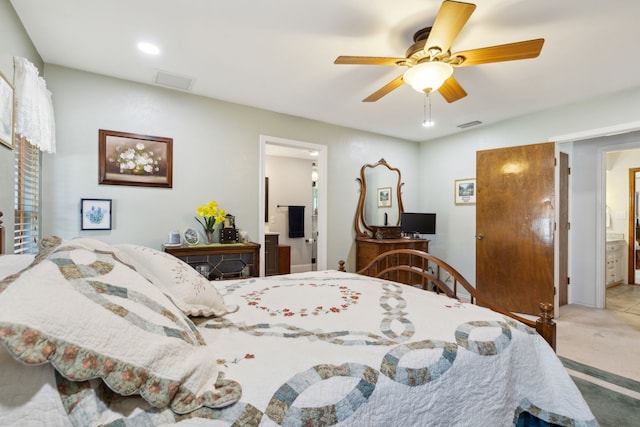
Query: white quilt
(353, 350)
(334, 348)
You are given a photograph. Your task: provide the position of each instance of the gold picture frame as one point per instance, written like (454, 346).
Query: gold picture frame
(131, 159)
(465, 191)
(7, 111)
(384, 197)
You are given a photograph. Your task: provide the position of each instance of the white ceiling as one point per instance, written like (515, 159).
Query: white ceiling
(278, 54)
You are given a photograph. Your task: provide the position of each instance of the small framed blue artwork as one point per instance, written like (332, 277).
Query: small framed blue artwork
(95, 214)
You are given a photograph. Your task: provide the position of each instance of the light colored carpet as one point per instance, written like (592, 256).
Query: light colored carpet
(608, 343)
(605, 339)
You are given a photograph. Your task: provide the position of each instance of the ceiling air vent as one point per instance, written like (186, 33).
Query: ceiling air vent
(173, 81)
(469, 124)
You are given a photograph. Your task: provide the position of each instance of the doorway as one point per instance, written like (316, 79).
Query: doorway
(319, 194)
(588, 149)
(621, 210)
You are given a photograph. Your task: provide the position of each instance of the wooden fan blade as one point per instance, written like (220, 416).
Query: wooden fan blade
(450, 19)
(451, 90)
(369, 60)
(500, 53)
(384, 90)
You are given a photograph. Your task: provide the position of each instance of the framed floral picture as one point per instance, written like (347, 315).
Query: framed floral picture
(465, 191)
(6, 111)
(95, 214)
(131, 159)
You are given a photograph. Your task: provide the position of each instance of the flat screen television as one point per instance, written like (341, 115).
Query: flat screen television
(418, 223)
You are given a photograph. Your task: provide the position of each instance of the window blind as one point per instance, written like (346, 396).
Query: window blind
(27, 197)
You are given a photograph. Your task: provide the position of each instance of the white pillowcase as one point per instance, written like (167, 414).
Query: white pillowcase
(187, 288)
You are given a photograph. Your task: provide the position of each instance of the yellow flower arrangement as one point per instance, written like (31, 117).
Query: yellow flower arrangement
(209, 215)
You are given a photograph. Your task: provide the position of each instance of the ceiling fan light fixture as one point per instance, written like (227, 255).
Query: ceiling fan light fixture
(427, 76)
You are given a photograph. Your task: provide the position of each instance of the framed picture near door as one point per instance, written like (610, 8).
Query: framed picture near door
(465, 191)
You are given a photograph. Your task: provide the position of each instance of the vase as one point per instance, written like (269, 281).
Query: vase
(210, 234)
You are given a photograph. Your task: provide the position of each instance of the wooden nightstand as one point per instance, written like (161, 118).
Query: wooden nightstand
(222, 260)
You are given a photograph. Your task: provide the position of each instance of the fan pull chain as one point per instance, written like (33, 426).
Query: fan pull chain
(427, 121)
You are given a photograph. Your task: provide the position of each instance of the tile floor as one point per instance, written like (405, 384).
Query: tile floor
(625, 298)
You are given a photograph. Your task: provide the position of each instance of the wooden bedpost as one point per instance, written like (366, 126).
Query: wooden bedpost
(545, 325)
(341, 266)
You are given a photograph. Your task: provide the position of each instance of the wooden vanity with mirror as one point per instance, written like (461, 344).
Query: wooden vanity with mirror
(378, 214)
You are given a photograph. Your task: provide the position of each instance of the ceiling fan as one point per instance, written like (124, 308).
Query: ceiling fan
(431, 62)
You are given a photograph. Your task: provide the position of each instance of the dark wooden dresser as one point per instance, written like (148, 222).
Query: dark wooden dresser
(367, 248)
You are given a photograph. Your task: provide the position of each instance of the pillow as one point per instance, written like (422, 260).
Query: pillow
(187, 288)
(92, 316)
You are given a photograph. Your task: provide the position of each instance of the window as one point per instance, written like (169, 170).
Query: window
(27, 197)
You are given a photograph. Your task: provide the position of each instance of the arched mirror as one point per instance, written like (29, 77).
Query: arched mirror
(380, 203)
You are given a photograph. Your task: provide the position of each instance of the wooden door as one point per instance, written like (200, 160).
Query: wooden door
(563, 230)
(515, 226)
(632, 265)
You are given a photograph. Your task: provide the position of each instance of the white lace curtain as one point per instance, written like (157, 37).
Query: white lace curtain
(34, 108)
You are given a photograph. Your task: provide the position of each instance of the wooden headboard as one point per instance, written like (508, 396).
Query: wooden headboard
(421, 269)
(1, 236)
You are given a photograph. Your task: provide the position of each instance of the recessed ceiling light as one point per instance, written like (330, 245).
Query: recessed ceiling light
(149, 48)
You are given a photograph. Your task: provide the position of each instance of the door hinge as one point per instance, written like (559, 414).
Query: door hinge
(568, 171)
(568, 226)
(568, 280)
(554, 291)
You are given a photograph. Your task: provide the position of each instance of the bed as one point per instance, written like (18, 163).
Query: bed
(124, 335)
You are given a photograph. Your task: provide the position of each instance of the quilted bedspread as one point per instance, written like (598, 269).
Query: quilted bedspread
(334, 348)
(351, 350)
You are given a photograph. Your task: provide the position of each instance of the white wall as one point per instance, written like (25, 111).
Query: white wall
(215, 156)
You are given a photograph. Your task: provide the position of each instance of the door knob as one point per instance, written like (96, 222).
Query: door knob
(480, 236)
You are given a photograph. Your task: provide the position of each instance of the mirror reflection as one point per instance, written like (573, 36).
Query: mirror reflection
(380, 203)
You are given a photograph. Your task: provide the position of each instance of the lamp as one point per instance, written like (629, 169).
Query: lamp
(427, 76)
